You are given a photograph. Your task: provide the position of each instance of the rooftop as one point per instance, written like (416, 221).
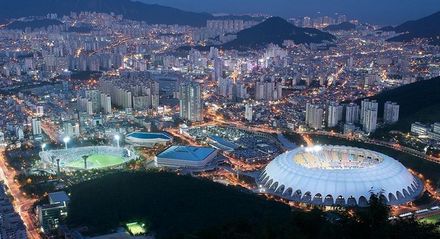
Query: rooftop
(190, 153)
(148, 135)
(58, 197)
(223, 142)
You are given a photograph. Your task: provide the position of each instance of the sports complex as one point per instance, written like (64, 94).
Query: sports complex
(339, 176)
(148, 139)
(91, 157)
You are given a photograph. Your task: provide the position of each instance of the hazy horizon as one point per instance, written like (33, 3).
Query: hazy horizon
(374, 11)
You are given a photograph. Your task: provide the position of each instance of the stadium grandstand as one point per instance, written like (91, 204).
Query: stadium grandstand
(91, 157)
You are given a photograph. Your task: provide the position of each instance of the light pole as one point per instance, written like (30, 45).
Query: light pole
(117, 138)
(43, 146)
(66, 140)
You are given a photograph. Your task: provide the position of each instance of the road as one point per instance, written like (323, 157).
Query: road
(375, 142)
(51, 130)
(22, 204)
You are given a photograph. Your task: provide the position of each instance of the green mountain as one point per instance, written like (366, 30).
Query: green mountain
(150, 13)
(419, 101)
(427, 28)
(276, 30)
(173, 206)
(344, 26)
(34, 24)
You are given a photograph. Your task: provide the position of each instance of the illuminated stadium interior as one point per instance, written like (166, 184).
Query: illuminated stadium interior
(97, 157)
(336, 158)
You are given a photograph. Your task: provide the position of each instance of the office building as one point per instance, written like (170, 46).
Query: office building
(51, 215)
(419, 129)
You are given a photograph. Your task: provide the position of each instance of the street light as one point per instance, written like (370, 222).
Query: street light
(66, 140)
(43, 146)
(117, 138)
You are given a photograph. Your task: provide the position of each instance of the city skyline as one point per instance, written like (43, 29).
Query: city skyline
(123, 119)
(373, 11)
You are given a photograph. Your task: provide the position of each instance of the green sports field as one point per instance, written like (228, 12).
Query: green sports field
(97, 161)
(432, 219)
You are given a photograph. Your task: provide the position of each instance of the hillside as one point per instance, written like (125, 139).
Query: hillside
(419, 101)
(34, 24)
(171, 203)
(344, 26)
(150, 13)
(276, 30)
(427, 28)
(175, 206)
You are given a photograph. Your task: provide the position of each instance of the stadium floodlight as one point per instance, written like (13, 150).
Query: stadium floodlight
(66, 140)
(117, 138)
(43, 146)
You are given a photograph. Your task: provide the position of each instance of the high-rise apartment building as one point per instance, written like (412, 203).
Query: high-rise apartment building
(390, 112)
(190, 101)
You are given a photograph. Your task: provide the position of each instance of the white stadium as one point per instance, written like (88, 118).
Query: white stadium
(339, 175)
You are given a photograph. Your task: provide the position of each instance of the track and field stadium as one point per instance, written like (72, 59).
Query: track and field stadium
(98, 157)
(339, 176)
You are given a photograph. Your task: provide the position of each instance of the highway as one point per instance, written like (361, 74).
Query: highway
(394, 146)
(22, 204)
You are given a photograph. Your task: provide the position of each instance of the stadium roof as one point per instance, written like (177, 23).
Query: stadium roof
(326, 174)
(190, 153)
(58, 197)
(223, 142)
(148, 135)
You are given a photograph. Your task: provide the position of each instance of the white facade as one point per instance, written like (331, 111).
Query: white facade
(36, 126)
(339, 175)
(334, 115)
(40, 111)
(352, 113)
(370, 120)
(390, 112)
(191, 102)
(248, 112)
(368, 115)
(365, 105)
(314, 116)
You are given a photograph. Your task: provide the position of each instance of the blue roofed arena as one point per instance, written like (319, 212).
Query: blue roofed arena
(186, 157)
(148, 139)
(339, 176)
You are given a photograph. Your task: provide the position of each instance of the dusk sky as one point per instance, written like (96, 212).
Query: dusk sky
(375, 11)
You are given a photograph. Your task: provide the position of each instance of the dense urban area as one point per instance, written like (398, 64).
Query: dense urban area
(116, 127)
